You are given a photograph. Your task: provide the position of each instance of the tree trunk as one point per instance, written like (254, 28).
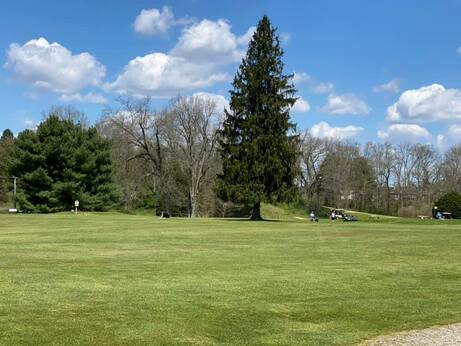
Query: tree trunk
(194, 206)
(189, 205)
(388, 198)
(256, 212)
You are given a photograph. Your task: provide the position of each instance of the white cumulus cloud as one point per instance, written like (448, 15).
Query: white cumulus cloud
(404, 133)
(324, 130)
(90, 97)
(210, 41)
(301, 106)
(392, 86)
(427, 104)
(196, 61)
(219, 100)
(51, 66)
(246, 37)
(299, 77)
(161, 74)
(345, 104)
(153, 21)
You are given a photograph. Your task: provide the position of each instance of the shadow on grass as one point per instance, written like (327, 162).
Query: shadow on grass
(249, 220)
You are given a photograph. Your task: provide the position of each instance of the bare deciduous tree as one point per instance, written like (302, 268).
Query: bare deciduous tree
(190, 134)
(382, 158)
(140, 126)
(451, 169)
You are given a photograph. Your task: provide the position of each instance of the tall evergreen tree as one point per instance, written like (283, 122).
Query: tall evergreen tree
(60, 162)
(257, 142)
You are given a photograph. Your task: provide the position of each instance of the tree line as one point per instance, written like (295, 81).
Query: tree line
(194, 158)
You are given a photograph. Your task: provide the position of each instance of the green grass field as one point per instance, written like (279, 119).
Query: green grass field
(115, 279)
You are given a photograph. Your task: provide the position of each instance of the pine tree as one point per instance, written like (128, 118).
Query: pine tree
(60, 162)
(257, 142)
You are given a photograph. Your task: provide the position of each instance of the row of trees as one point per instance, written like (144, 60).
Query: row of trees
(170, 160)
(193, 158)
(377, 177)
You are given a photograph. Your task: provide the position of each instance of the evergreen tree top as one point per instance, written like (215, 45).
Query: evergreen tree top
(260, 86)
(257, 146)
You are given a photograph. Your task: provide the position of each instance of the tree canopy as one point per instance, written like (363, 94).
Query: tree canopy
(61, 162)
(256, 142)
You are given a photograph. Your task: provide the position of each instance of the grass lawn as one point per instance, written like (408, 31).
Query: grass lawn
(114, 279)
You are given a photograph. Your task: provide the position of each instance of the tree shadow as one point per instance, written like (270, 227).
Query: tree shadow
(249, 220)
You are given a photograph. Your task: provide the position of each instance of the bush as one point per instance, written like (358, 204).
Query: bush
(408, 211)
(450, 202)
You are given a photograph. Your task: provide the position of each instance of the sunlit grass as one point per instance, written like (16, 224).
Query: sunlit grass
(114, 279)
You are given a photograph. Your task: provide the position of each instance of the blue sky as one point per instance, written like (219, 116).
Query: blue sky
(365, 70)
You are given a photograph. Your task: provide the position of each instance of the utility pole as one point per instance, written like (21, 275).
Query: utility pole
(14, 191)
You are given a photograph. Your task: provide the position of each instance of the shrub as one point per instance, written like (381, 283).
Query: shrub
(450, 202)
(409, 211)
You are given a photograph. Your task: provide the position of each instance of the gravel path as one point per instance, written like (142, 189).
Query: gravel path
(436, 336)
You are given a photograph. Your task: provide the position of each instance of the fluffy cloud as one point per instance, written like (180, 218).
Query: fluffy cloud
(219, 100)
(345, 104)
(160, 74)
(209, 41)
(246, 38)
(459, 50)
(299, 77)
(90, 97)
(51, 66)
(196, 61)
(301, 106)
(404, 133)
(153, 21)
(451, 137)
(392, 86)
(314, 86)
(324, 130)
(427, 104)
(323, 88)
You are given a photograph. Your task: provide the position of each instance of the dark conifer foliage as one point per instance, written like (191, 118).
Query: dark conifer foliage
(257, 139)
(61, 162)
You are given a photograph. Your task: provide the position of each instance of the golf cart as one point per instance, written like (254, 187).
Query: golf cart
(447, 215)
(349, 218)
(340, 214)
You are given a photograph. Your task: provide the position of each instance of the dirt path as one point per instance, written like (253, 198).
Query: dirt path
(435, 336)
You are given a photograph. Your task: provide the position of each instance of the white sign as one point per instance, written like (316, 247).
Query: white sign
(76, 203)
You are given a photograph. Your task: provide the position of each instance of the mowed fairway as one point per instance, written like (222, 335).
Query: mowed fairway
(114, 279)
